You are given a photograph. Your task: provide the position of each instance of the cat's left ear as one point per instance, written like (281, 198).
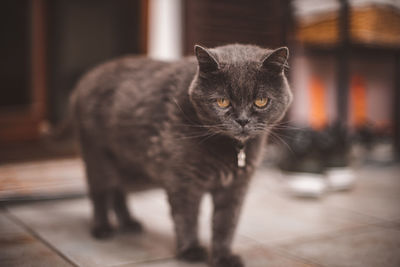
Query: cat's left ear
(276, 60)
(207, 62)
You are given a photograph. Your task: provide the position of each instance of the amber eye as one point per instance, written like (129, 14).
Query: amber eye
(223, 102)
(261, 102)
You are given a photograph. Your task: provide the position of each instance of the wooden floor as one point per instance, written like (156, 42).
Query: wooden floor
(357, 228)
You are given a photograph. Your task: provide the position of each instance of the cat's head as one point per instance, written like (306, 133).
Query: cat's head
(240, 90)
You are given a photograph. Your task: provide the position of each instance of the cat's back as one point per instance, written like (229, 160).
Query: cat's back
(137, 75)
(129, 93)
(114, 83)
(111, 75)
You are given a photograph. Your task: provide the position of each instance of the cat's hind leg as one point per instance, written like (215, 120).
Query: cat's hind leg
(126, 221)
(100, 180)
(101, 228)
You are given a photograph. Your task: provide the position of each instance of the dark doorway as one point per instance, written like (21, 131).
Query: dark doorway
(212, 23)
(14, 53)
(82, 34)
(48, 45)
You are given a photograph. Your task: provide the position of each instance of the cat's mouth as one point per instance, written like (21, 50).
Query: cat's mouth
(239, 133)
(243, 134)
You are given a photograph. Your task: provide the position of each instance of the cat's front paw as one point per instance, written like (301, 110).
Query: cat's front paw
(193, 254)
(102, 231)
(227, 261)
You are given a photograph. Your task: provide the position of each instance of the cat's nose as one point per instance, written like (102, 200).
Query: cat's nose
(242, 122)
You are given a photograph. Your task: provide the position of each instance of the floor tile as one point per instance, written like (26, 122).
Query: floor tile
(270, 219)
(271, 216)
(368, 247)
(164, 263)
(152, 207)
(252, 257)
(263, 257)
(19, 248)
(7, 226)
(65, 224)
(377, 193)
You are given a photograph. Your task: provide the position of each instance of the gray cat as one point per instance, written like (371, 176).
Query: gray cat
(192, 127)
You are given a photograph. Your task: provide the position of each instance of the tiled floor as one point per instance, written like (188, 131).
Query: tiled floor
(358, 228)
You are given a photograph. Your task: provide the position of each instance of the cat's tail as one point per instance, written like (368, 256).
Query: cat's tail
(64, 130)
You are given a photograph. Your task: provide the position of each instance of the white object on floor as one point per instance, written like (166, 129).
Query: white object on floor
(340, 179)
(306, 184)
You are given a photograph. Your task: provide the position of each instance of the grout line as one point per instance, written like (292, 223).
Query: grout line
(379, 220)
(142, 261)
(291, 255)
(282, 252)
(16, 220)
(316, 236)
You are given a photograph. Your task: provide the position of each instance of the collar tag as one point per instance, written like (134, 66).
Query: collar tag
(241, 158)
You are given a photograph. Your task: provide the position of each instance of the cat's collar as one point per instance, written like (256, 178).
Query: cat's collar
(241, 155)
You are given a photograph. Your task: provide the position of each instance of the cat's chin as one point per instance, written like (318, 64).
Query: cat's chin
(242, 137)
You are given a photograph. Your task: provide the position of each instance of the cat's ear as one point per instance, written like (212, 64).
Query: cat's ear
(277, 60)
(207, 62)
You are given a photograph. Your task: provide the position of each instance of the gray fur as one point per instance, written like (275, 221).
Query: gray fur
(144, 123)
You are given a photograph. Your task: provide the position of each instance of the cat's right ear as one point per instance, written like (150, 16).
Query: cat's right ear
(207, 62)
(276, 61)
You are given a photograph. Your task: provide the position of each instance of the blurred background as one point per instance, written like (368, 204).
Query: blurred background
(344, 73)
(344, 62)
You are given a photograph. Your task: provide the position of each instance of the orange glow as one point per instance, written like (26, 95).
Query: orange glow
(318, 116)
(358, 101)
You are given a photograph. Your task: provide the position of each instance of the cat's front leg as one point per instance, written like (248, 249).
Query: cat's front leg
(184, 210)
(227, 206)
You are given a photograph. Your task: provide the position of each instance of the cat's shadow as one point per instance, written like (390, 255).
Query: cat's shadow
(148, 245)
(67, 226)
